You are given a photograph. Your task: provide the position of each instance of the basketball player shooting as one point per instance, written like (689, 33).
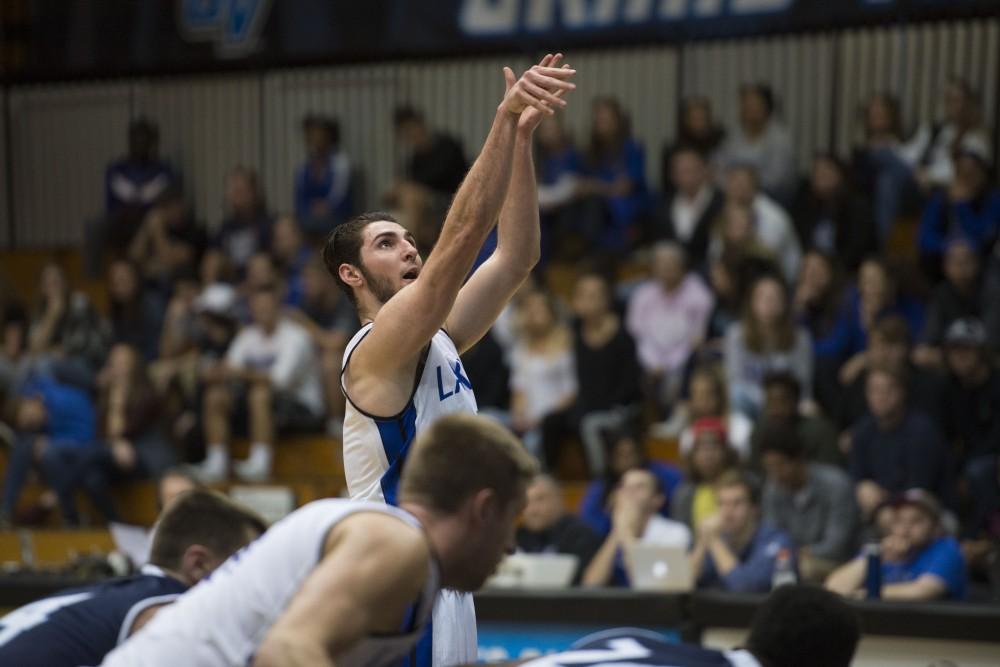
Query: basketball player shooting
(402, 370)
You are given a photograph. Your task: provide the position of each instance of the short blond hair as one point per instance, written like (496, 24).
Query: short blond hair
(460, 455)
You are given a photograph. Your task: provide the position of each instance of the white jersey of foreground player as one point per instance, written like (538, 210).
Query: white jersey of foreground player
(221, 621)
(374, 450)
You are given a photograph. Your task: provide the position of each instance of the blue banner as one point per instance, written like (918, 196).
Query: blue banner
(69, 38)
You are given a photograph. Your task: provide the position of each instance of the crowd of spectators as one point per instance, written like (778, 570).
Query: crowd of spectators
(821, 340)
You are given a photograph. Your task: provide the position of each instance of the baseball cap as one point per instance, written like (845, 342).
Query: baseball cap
(217, 299)
(967, 331)
(919, 498)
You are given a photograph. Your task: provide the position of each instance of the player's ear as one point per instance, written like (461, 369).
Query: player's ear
(351, 275)
(485, 505)
(197, 563)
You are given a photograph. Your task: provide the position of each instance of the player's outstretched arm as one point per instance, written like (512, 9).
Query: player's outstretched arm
(518, 241)
(405, 324)
(374, 568)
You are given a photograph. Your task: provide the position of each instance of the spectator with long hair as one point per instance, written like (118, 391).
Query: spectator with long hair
(135, 315)
(708, 459)
(614, 170)
(697, 129)
(708, 399)
(765, 340)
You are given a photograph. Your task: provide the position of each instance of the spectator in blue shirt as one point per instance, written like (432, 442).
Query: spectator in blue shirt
(323, 182)
(624, 453)
(614, 170)
(291, 254)
(733, 550)
(968, 209)
(55, 431)
(247, 227)
(919, 562)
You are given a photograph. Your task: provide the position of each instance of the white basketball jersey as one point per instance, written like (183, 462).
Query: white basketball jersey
(223, 620)
(375, 447)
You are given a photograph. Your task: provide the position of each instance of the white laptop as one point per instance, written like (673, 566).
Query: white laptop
(521, 570)
(661, 568)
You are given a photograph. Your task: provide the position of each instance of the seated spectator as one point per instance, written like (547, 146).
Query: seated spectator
(697, 129)
(771, 228)
(728, 277)
(262, 272)
(733, 549)
(614, 171)
(884, 166)
(65, 331)
(969, 210)
(15, 360)
(431, 175)
(625, 452)
(876, 297)
(246, 229)
(668, 316)
(323, 182)
(80, 626)
(548, 529)
(961, 130)
(692, 205)
(607, 376)
(542, 373)
(888, 346)
(331, 321)
(764, 341)
(131, 186)
(558, 167)
(135, 315)
(169, 242)
(270, 379)
(133, 445)
(833, 219)
(782, 398)
(895, 448)
(972, 395)
(734, 236)
(708, 400)
(820, 307)
(812, 502)
(762, 143)
(54, 424)
(981, 528)
(174, 483)
(291, 255)
(634, 520)
(709, 458)
(919, 562)
(958, 296)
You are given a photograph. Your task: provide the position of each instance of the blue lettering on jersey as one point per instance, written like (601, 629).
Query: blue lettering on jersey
(460, 381)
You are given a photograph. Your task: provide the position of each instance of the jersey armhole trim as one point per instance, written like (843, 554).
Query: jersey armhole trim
(416, 382)
(138, 608)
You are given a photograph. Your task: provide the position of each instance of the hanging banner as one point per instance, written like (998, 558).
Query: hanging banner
(86, 38)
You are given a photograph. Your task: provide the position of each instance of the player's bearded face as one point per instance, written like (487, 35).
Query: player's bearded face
(381, 287)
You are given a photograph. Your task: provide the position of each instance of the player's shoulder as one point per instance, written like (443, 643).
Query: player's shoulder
(379, 532)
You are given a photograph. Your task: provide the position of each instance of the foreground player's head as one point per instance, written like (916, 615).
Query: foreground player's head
(371, 256)
(198, 531)
(804, 625)
(465, 478)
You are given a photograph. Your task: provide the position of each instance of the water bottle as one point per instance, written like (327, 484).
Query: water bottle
(784, 573)
(873, 576)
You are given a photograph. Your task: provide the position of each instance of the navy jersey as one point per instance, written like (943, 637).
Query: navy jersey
(81, 625)
(632, 647)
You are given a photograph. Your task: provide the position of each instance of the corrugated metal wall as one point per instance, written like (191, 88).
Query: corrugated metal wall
(62, 139)
(64, 135)
(913, 64)
(799, 69)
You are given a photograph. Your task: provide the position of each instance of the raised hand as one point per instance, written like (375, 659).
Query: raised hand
(532, 117)
(538, 87)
